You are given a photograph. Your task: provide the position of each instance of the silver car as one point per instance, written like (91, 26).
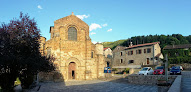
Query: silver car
(146, 71)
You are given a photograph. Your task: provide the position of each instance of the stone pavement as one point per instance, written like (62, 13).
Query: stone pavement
(93, 86)
(186, 81)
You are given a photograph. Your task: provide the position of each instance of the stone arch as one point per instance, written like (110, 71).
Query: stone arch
(74, 26)
(108, 64)
(77, 64)
(72, 34)
(72, 70)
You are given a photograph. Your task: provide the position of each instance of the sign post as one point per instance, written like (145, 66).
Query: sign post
(166, 67)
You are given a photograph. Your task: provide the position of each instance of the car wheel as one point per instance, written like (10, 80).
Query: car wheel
(147, 74)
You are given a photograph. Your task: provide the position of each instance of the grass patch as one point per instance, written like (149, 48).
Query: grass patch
(17, 82)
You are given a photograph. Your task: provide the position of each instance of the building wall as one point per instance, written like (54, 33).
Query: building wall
(66, 51)
(108, 53)
(138, 59)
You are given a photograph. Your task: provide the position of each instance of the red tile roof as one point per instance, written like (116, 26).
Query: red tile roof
(105, 48)
(141, 45)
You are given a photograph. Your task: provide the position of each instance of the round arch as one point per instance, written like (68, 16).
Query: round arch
(72, 65)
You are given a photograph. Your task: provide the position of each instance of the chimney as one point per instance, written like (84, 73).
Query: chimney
(131, 44)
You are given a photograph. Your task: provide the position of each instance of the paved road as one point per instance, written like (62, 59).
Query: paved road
(186, 81)
(93, 86)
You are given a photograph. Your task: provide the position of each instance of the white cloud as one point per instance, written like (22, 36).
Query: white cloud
(94, 42)
(83, 16)
(39, 7)
(92, 33)
(94, 26)
(109, 30)
(104, 25)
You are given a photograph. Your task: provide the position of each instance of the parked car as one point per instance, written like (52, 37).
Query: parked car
(181, 68)
(175, 70)
(146, 71)
(159, 70)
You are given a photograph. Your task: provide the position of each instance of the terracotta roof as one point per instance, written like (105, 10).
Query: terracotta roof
(158, 54)
(119, 48)
(141, 45)
(182, 46)
(105, 48)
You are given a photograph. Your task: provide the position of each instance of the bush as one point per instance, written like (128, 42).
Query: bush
(127, 70)
(26, 81)
(114, 69)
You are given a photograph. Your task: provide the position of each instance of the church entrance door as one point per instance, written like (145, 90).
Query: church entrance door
(72, 70)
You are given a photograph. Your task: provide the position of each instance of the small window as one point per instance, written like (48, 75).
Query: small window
(157, 58)
(148, 50)
(131, 52)
(121, 53)
(131, 61)
(92, 55)
(121, 61)
(144, 50)
(138, 51)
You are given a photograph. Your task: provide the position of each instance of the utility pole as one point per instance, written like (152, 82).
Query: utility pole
(166, 67)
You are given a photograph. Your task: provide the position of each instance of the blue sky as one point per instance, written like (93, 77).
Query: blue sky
(109, 20)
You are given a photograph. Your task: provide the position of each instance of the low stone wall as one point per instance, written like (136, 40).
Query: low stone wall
(148, 79)
(50, 76)
(176, 86)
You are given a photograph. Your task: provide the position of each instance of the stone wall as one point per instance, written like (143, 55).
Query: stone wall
(131, 61)
(50, 76)
(88, 57)
(149, 79)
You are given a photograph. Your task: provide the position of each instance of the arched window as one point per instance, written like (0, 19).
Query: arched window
(72, 34)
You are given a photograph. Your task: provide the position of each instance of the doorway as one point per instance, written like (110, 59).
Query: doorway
(72, 70)
(147, 61)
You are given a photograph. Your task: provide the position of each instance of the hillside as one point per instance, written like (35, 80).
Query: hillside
(163, 39)
(112, 45)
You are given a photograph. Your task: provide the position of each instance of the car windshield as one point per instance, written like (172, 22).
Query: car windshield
(175, 68)
(160, 67)
(144, 69)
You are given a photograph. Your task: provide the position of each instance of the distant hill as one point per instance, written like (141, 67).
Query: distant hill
(112, 45)
(163, 39)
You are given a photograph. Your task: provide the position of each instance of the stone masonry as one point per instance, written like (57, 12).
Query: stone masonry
(86, 58)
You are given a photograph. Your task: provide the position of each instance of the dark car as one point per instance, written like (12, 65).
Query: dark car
(175, 70)
(159, 70)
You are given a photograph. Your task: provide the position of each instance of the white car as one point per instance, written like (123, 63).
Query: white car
(146, 71)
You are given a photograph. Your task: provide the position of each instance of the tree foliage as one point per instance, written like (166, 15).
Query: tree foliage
(19, 51)
(164, 40)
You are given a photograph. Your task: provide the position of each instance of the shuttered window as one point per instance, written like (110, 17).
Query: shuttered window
(72, 34)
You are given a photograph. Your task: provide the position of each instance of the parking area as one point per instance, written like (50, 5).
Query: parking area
(186, 81)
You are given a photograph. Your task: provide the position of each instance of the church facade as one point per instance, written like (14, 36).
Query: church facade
(76, 57)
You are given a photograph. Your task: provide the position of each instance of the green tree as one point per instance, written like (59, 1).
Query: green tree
(19, 52)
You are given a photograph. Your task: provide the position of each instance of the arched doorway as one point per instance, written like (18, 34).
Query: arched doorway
(108, 64)
(72, 70)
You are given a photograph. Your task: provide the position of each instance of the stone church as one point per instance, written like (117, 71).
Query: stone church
(76, 57)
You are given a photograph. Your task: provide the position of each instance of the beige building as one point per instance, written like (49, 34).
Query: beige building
(107, 52)
(76, 56)
(136, 55)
